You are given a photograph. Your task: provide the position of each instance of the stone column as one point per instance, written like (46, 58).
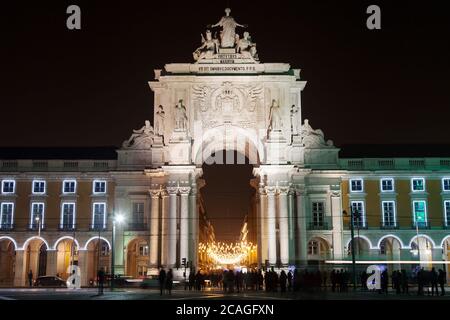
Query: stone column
(301, 221)
(19, 271)
(264, 231)
(259, 226)
(194, 225)
(271, 226)
(336, 216)
(184, 223)
(164, 229)
(51, 262)
(291, 227)
(83, 265)
(154, 228)
(284, 226)
(172, 221)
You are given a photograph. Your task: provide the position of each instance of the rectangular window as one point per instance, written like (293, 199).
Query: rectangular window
(387, 185)
(68, 216)
(447, 212)
(6, 215)
(8, 186)
(138, 213)
(99, 186)
(99, 215)
(38, 187)
(388, 213)
(420, 213)
(359, 219)
(69, 186)
(417, 184)
(142, 271)
(37, 215)
(317, 214)
(143, 250)
(356, 185)
(446, 184)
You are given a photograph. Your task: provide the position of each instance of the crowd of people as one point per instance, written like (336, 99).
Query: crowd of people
(338, 280)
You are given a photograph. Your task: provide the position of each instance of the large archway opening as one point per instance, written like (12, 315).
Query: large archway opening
(98, 257)
(36, 257)
(228, 224)
(137, 258)
(66, 255)
(7, 261)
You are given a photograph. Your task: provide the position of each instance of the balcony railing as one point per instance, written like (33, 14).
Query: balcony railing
(137, 226)
(388, 226)
(98, 227)
(6, 226)
(66, 227)
(420, 225)
(36, 226)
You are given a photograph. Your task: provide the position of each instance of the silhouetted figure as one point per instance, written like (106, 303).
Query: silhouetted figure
(420, 281)
(289, 280)
(441, 280)
(434, 281)
(364, 278)
(333, 280)
(283, 279)
(384, 281)
(396, 281)
(162, 280)
(30, 278)
(169, 281)
(100, 281)
(404, 282)
(191, 279)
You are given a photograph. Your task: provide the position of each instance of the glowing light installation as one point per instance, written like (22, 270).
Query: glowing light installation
(227, 253)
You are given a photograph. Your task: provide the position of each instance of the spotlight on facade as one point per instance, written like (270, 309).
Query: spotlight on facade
(119, 218)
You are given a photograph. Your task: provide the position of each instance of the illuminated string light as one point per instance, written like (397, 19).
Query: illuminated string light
(227, 253)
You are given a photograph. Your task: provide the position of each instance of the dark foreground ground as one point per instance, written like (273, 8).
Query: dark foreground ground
(180, 294)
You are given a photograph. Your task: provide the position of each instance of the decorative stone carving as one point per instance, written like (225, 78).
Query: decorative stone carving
(217, 104)
(275, 119)
(180, 116)
(314, 138)
(208, 48)
(246, 47)
(228, 24)
(159, 121)
(140, 139)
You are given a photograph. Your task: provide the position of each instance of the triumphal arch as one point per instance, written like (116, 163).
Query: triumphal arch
(228, 99)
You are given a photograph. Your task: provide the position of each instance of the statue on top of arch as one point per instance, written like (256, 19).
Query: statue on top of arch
(313, 138)
(228, 39)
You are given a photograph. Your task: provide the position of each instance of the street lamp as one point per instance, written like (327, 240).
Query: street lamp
(118, 218)
(352, 232)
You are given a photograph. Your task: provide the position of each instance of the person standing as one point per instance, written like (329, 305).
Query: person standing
(30, 278)
(283, 278)
(289, 280)
(162, 280)
(441, 279)
(434, 281)
(404, 280)
(100, 280)
(169, 281)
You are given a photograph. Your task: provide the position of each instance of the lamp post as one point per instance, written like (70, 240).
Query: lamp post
(352, 233)
(38, 221)
(115, 219)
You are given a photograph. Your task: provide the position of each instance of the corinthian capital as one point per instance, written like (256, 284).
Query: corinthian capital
(172, 190)
(283, 190)
(154, 193)
(185, 190)
(271, 190)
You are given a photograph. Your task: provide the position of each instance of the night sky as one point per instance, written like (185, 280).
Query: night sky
(89, 87)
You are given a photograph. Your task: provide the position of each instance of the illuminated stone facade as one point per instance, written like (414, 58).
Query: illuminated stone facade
(226, 100)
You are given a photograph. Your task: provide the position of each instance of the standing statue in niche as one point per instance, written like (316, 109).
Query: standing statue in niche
(275, 118)
(228, 24)
(140, 139)
(208, 48)
(294, 120)
(159, 121)
(180, 116)
(313, 138)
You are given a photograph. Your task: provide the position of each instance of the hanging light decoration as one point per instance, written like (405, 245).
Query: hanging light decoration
(227, 253)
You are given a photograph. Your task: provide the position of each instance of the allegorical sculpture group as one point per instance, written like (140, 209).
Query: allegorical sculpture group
(228, 38)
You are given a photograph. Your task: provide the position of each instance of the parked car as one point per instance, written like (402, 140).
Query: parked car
(50, 281)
